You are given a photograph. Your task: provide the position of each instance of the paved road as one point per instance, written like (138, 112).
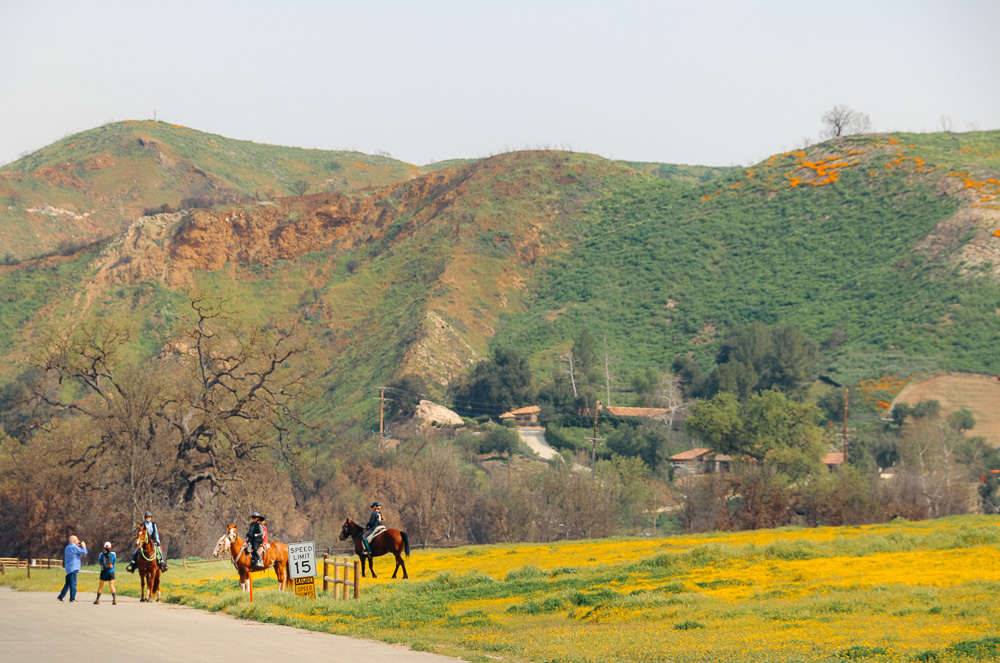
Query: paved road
(535, 439)
(36, 627)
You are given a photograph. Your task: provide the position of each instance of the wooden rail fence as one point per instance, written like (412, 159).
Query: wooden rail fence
(16, 563)
(345, 564)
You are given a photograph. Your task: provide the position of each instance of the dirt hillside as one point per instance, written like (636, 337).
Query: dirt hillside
(978, 393)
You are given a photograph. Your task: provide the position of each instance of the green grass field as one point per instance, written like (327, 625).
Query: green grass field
(906, 591)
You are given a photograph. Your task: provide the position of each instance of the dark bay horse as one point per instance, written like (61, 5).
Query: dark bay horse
(276, 557)
(390, 541)
(148, 565)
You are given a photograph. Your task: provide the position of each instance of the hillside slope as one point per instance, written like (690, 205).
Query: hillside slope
(415, 277)
(883, 248)
(89, 185)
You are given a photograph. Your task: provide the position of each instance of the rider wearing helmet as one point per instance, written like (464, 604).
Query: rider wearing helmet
(154, 534)
(256, 536)
(373, 521)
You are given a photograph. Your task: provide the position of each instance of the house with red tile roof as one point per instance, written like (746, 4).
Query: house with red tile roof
(523, 416)
(648, 412)
(700, 460)
(834, 459)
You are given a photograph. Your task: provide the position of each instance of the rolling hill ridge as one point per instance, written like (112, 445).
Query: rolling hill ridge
(881, 247)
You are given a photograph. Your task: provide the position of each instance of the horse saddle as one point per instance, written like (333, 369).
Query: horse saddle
(260, 554)
(375, 532)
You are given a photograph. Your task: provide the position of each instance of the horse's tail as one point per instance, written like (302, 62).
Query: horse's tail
(406, 542)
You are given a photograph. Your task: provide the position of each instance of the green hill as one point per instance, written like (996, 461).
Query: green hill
(87, 186)
(889, 241)
(882, 247)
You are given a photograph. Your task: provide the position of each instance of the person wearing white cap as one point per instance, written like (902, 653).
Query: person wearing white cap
(107, 562)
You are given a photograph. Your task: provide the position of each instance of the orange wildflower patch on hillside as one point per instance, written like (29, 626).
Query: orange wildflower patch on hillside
(901, 159)
(987, 191)
(824, 171)
(881, 391)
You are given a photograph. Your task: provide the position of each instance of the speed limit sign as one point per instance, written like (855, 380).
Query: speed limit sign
(302, 567)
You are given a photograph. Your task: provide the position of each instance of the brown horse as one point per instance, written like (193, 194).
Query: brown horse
(276, 557)
(148, 565)
(390, 541)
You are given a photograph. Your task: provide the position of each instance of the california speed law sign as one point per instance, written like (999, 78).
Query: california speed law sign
(302, 568)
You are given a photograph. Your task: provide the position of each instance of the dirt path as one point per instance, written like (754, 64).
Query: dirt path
(980, 394)
(36, 627)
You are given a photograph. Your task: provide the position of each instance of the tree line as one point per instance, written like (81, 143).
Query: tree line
(211, 429)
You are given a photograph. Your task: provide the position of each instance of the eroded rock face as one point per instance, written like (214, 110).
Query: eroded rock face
(485, 249)
(432, 414)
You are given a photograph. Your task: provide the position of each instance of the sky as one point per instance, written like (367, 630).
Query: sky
(715, 83)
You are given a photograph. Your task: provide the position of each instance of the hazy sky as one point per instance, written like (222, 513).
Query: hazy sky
(715, 83)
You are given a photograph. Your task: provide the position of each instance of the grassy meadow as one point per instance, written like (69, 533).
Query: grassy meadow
(904, 591)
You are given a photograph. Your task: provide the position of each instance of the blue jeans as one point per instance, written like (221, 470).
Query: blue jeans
(70, 585)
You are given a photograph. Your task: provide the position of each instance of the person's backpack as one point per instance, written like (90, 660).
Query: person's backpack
(105, 561)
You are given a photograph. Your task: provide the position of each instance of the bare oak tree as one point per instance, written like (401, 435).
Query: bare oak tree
(842, 120)
(161, 429)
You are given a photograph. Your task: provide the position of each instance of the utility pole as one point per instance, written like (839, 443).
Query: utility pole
(381, 419)
(593, 452)
(593, 446)
(607, 371)
(845, 425)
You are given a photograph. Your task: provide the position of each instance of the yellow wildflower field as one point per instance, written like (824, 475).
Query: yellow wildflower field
(905, 591)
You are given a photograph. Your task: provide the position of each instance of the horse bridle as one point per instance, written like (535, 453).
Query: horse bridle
(139, 544)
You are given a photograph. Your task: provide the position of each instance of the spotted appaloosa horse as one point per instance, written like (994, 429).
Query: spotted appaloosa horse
(148, 565)
(390, 541)
(275, 557)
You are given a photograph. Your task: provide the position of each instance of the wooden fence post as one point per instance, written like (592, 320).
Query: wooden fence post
(357, 589)
(326, 570)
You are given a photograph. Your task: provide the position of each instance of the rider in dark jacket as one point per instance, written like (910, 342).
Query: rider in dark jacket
(373, 521)
(255, 537)
(154, 533)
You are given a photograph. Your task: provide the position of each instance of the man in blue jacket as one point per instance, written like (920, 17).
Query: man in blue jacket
(72, 561)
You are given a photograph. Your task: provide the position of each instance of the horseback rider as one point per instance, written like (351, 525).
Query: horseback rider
(256, 537)
(153, 532)
(375, 520)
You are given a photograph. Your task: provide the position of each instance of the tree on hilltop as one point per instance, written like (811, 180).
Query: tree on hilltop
(842, 120)
(299, 187)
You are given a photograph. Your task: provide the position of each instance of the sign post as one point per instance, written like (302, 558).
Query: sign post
(302, 568)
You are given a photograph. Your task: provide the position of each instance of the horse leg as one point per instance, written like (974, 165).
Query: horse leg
(279, 571)
(371, 565)
(399, 563)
